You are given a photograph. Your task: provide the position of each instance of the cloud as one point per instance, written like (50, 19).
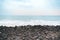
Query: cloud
(31, 7)
(36, 4)
(35, 12)
(13, 4)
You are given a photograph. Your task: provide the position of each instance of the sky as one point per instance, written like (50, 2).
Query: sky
(29, 7)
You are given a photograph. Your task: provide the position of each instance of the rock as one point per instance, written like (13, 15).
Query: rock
(36, 32)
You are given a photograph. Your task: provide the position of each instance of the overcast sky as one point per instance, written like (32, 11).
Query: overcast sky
(30, 7)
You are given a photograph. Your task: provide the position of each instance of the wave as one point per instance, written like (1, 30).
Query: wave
(31, 22)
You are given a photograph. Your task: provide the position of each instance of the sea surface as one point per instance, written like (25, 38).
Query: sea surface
(27, 17)
(29, 20)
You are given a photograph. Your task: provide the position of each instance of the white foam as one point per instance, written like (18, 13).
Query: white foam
(31, 22)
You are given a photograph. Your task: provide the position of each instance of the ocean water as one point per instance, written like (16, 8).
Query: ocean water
(28, 17)
(12, 20)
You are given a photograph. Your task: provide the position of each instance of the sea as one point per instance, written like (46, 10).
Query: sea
(12, 20)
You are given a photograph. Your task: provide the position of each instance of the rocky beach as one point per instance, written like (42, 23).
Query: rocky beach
(29, 32)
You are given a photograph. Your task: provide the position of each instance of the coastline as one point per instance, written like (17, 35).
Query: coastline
(31, 22)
